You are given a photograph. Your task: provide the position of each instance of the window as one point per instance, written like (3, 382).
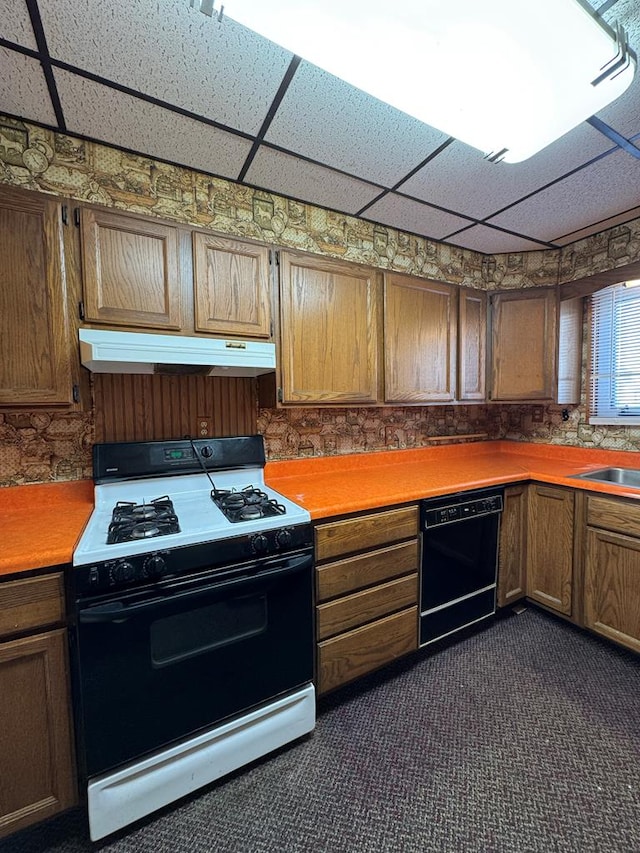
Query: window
(615, 355)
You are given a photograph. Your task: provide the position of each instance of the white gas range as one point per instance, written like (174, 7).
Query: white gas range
(191, 623)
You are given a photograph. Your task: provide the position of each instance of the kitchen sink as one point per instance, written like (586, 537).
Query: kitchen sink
(620, 476)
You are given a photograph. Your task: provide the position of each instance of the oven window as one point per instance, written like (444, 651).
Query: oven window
(186, 635)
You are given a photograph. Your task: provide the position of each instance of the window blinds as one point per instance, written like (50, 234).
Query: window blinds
(615, 354)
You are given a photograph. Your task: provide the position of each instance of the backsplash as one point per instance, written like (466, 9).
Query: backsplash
(37, 447)
(291, 433)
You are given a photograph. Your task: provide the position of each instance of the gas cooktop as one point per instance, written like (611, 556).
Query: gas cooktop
(162, 495)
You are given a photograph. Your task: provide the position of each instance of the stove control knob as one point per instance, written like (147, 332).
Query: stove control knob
(124, 572)
(206, 451)
(283, 538)
(259, 543)
(155, 566)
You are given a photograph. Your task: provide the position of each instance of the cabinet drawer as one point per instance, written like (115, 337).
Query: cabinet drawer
(31, 603)
(365, 606)
(620, 516)
(349, 656)
(366, 570)
(366, 531)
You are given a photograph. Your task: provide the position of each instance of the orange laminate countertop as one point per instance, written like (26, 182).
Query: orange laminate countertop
(326, 486)
(41, 523)
(337, 485)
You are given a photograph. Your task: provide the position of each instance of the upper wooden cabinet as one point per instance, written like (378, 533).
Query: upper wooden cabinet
(524, 345)
(35, 346)
(131, 271)
(330, 331)
(420, 340)
(138, 273)
(231, 285)
(472, 344)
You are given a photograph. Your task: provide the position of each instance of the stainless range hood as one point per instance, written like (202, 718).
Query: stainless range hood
(104, 351)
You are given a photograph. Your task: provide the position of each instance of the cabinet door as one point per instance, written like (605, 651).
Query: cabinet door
(231, 281)
(329, 332)
(131, 271)
(524, 345)
(37, 778)
(612, 587)
(550, 546)
(35, 348)
(472, 345)
(512, 549)
(420, 340)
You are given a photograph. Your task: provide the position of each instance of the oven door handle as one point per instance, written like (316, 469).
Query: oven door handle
(116, 611)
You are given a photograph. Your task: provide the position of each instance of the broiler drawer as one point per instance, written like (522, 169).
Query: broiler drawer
(354, 573)
(365, 606)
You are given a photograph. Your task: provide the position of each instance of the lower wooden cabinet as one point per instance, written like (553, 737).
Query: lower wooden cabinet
(550, 546)
(37, 774)
(512, 568)
(366, 593)
(350, 655)
(612, 570)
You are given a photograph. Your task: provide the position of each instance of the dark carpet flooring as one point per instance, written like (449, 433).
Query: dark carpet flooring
(524, 737)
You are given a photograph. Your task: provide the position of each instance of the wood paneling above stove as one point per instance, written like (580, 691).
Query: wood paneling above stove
(147, 408)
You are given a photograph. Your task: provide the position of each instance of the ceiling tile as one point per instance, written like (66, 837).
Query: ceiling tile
(593, 194)
(325, 119)
(283, 173)
(414, 216)
(107, 115)
(28, 95)
(461, 179)
(15, 24)
(491, 241)
(566, 239)
(171, 52)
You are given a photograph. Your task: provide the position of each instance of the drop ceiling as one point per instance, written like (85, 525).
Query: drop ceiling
(160, 78)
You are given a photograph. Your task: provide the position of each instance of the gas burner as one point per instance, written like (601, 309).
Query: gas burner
(248, 513)
(132, 521)
(248, 504)
(145, 530)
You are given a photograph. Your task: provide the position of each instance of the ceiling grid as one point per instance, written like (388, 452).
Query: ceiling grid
(163, 80)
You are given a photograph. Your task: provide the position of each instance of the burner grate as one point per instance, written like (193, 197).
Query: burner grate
(247, 504)
(132, 521)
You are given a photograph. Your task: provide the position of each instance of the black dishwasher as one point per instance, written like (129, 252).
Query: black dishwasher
(459, 561)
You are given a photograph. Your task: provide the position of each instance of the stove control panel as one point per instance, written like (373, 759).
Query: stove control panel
(137, 570)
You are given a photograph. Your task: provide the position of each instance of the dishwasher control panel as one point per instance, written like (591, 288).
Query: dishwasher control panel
(440, 511)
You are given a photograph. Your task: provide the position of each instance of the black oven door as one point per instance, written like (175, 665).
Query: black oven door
(155, 666)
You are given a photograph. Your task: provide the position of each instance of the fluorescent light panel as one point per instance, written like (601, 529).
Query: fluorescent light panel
(496, 74)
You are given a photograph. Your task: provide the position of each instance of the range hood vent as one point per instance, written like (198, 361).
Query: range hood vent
(131, 352)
